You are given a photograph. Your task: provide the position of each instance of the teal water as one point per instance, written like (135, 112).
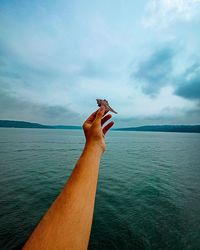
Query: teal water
(148, 193)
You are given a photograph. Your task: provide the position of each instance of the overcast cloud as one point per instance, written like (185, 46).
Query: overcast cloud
(57, 57)
(155, 72)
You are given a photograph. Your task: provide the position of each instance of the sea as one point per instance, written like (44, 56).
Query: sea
(148, 194)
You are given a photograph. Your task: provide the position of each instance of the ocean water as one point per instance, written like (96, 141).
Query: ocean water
(148, 194)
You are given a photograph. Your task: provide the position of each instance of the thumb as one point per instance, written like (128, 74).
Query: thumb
(100, 113)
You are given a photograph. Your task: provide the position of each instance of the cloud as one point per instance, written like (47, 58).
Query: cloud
(35, 82)
(166, 116)
(58, 54)
(189, 83)
(155, 71)
(163, 13)
(13, 108)
(92, 69)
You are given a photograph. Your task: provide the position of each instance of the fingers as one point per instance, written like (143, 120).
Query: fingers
(92, 116)
(100, 113)
(105, 119)
(107, 127)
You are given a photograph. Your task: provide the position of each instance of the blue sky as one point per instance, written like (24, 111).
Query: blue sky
(57, 57)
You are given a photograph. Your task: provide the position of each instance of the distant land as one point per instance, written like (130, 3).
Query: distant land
(165, 128)
(23, 124)
(151, 128)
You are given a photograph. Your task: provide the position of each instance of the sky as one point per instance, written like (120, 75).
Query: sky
(57, 57)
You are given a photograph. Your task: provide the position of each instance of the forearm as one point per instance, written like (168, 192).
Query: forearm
(67, 223)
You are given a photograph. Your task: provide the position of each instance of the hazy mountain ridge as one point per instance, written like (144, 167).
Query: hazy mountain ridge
(165, 128)
(23, 124)
(153, 128)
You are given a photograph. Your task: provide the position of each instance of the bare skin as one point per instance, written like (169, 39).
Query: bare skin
(67, 223)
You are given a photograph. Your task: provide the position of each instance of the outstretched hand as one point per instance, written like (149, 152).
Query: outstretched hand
(94, 130)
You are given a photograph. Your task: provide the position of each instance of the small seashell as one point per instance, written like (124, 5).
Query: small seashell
(106, 104)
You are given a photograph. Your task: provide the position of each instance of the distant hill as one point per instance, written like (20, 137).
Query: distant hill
(165, 128)
(22, 124)
(153, 128)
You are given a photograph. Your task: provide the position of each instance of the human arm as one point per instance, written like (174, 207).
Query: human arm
(67, 223)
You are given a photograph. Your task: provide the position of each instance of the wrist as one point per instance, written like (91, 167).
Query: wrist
(95, 147)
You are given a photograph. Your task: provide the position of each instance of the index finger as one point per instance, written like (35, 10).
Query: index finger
(101, 112)
(92, 116)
